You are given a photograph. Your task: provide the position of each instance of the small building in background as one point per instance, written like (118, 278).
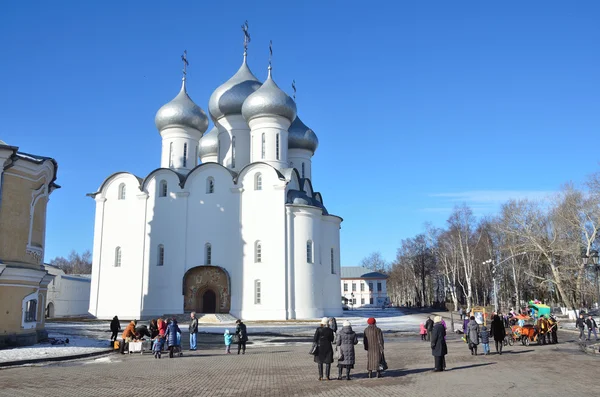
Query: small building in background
(26, 182)
(362, 287)
(68, 294)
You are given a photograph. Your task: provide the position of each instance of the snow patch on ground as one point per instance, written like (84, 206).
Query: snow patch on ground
(76, 346)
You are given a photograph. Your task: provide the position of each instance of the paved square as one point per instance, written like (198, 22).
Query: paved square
(288, 370)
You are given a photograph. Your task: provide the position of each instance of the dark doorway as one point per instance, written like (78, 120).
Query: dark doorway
(209, 302)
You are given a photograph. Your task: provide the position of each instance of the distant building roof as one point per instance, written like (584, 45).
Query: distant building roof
(360, 272)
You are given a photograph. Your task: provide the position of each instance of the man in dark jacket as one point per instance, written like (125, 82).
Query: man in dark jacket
(580, 323)
(591, 325)
(193, 331)
(240, 331)
(429, 327)
(115, 327)
(439, 349)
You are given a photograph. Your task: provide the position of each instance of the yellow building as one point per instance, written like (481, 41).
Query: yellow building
(26, 182)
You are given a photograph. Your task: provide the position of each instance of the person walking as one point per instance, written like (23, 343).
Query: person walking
(422, 331)
(373, 342)
(498, 333)
(193, 328)
(171, 336)
(473, 330)
(439, 349)
(242, 334)
(580, 323)
(157, 347)
(228, 337)
(484, 334)
(345, 340)
(115, 327)
(592, 327)
(461, 313)
(324, 338)
(429, 327)
(553, 324)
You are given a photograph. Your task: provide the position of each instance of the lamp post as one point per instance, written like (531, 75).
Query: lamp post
(495, 282)
(592, 262)
(352, 300)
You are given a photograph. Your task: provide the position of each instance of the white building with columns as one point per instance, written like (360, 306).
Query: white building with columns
(243, 232)
(362, 287)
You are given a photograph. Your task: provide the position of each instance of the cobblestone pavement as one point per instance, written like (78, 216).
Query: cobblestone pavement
(288, 370)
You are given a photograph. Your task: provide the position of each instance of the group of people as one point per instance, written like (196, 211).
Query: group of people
(327, 336)
(167, 331)
(581, 324)
(476, 334)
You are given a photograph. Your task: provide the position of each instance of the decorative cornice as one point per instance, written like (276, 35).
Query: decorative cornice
(36, 252)
(182, 194)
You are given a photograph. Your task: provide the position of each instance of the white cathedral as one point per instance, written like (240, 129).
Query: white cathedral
(244, 232)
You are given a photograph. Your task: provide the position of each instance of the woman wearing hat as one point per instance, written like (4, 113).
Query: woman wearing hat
(323, 338)
(373, 341)
(438, 344)
(345, 341)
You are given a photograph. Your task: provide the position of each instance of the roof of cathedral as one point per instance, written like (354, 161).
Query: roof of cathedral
(360, 272)
(181, 111)
(268, 100)
(229, 97)
(209, 143)
(302, 137)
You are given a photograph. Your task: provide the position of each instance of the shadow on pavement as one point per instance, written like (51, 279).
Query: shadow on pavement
(517, 352)
(470, 366)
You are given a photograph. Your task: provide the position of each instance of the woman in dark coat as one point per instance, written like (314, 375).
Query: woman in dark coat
(115, 327)
(373, 341)
(345, 341)
(153, 329)
(498, 332)
(171, 336)
(439, 349)
(242, 333)
(323, 338)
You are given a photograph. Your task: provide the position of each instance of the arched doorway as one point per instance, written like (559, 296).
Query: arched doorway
(206, 289)
(50, 310)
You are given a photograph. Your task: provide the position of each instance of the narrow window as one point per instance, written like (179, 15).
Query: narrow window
(233, 152)
(332, 262)
(362, 287)
(277, 146)
(171, 154)
(31, 311)
(185, 154)
(309, 251)
(378, 287)
(161, 255)
(345, 287)
(354, 301)
(207, 254)
(371, 287)
(262, 150)
(362, 301)
(370, 300)
(257, 294)
(210, 185)
(122, 191)
(162, 191)
(118, 257)
(196, 152)
(258, 182)
(353, 287)
(258, 252)
(302, 170)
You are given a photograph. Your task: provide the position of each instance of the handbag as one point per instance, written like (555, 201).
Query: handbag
(314, 349)
(382, 364)
(235, 339)
(338, 354)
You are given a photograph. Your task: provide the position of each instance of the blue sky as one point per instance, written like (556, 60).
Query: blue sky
(418, 105)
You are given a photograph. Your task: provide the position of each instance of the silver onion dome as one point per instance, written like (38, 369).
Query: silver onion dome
(269, 100)
(181, 111)
(302, 137)
(209, 143)
(229, 97)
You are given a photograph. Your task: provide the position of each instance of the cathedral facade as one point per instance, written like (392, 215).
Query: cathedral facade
(243, 232)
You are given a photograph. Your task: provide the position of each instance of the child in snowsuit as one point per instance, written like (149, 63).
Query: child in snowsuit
(422, 331)
(484, 334)
(157, 348)
(228, 337)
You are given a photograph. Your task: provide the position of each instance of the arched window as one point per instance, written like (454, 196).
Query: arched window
(118, 257)
(210, 185)
(207, 254)
(171, 154)
(162, 190)
(332, 262)
(303, 170)
(233, 152)
(262, 147)
(161, 255)
(196, 152)
(257, 292)
(258, 181)
(122, 191)
(258, 252)
(277, 146)
(185, 154)
(291, 165)
(309, 251)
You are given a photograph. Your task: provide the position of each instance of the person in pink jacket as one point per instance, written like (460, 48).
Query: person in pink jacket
(422, 331)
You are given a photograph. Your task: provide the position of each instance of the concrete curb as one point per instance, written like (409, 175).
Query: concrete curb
(6, 364)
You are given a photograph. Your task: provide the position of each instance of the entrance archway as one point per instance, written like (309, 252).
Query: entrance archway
(50, 310)
(206, 289)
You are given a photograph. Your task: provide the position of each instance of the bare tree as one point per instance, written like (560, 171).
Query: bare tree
(75, 264)
(374, 262)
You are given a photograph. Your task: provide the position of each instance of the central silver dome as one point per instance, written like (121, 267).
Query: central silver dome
(229, 97)
(209, 143)
(181, 111)
(302, 137)
(269, 100)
